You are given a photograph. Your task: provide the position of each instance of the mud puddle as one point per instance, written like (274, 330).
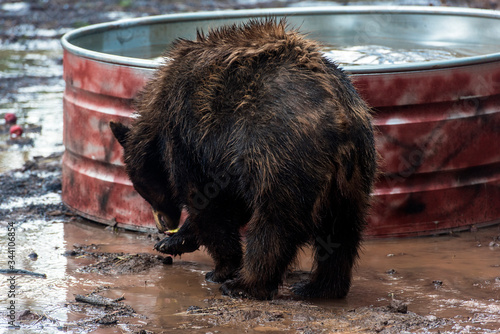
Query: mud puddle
(449, 284)
(445, 284)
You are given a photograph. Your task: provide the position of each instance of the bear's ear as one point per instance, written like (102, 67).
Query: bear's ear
(120, 131)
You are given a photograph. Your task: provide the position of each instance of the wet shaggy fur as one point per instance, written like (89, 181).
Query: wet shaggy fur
(250, 126)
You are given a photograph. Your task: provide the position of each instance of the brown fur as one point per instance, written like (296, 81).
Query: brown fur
(251, 126)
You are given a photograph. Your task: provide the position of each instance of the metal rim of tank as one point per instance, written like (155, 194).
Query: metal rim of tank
(289, 11)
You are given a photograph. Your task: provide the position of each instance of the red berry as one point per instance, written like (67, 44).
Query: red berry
(16, 131)
(10, 118)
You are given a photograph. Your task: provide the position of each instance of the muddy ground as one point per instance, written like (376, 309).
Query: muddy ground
(113, 282)
(41, 177)
(103, 280)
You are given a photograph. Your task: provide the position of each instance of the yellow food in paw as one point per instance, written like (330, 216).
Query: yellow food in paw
(159, 225)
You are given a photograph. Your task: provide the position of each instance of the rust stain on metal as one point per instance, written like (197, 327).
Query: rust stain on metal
(439, 138)
(94, 181)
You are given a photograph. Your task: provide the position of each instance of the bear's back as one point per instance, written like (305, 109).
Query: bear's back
(258, 99)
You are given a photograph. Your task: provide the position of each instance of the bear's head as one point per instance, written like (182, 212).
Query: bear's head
(146, 173)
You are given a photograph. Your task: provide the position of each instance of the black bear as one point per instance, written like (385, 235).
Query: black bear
(250, 126)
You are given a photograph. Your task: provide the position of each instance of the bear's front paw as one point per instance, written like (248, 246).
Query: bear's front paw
(177, 245)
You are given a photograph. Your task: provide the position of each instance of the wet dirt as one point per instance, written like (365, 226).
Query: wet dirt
(446, 284)
(441, 284)
(117, 263)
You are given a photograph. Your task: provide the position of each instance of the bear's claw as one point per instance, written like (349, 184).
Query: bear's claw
(177, 245)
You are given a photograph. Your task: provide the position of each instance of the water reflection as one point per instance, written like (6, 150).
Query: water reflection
(46, 239)
(406, 269)
(31, 86)
(384, 55)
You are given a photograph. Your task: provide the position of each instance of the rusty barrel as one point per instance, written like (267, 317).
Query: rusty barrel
(437, 120)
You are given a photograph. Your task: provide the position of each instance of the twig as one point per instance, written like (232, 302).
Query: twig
(45, 317)
(119, 299)
(21, 272)
(98, 300)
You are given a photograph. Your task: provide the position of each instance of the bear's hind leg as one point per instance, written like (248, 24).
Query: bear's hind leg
(272, 242)
(336, 251)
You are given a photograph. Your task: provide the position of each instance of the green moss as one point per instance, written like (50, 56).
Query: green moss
(79, 24)
(125, 3)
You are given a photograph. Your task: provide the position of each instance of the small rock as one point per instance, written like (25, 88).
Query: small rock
(251, 314)
(33, 256)
(391, 271)
(275, 316)
(70, 253)
(437, 283)
(398, 306)
(108, 319)
(54, 186)
(194, 309)
(431, 317)
(28, 315)
(302, 317)
(54, 213)
(167, 260)
(390, 255)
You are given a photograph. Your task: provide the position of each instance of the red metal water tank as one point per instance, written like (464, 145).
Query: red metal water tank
(438, 122)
